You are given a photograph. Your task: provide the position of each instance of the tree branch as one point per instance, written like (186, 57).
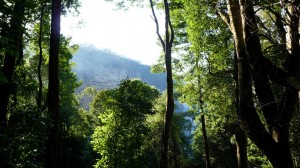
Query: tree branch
(157, 26)
(224, 17)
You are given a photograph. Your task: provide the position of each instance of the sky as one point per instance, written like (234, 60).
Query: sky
(130, 33)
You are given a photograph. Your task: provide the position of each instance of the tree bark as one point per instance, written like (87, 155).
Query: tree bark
(241, 148)
(40, 91)
(14, 34)
(293, 46)
(240, 136)
(277, 116)
(52, 151)
(203, 127)
(253, 68)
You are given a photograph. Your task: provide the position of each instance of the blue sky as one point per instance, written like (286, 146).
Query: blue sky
(128, 33)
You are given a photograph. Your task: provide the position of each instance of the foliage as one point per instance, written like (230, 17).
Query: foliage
(256, 157)
(27, 124)
(122, 112)
(180, 152)
(122, 127)
(204, 79)
(26, 143)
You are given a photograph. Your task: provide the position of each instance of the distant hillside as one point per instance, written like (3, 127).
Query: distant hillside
(104, 70)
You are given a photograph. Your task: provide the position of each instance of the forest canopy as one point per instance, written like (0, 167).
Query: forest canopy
(231, 95)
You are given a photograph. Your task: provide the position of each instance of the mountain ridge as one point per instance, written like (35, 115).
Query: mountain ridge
(104, 69)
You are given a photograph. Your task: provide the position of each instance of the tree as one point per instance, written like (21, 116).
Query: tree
(254, 70)
(269, 67)
(167, 48)
(52, 152)
(180, 152)
(204, 76)
(24, 112)
(14, 34)
(121, 130)
(40, 38)
(230, 56)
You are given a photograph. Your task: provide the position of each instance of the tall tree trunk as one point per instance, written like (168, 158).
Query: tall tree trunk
(14, 34)
(40, 91)
(167, 46)
(248, 117)
(203, 128)
(52, 151)
(170, 100)
(240, 136)
(206, 149)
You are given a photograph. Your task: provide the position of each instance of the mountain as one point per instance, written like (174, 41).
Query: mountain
(104, 70)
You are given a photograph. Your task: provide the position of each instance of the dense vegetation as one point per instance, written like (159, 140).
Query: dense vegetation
(236, 67)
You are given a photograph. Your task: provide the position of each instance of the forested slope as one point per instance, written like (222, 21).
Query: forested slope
(104, 69)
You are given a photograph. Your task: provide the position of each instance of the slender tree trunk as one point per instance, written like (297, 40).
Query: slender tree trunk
(40, 91)
(203, 125)
(203, 128)
(241, 148)
(167, 46)
(170, 100)
(52, 151)
(14, 34)
(206, 148)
